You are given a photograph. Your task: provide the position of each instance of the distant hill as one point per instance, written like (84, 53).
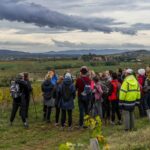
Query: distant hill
(136, 53)
(12, 54)
(86, 52)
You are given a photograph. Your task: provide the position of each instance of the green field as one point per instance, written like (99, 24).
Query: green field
(42, 136)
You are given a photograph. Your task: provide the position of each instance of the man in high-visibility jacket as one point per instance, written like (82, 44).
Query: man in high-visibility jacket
(129, 97)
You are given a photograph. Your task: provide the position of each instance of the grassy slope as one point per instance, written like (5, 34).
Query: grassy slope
(43, 136)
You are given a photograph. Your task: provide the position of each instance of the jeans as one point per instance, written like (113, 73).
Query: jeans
(147, 100)
(97, 109)
(141, 106)
(63, 117)
(48, 113)
(106, 107)
(27, 104)
(115, 110)
(57, 114)
(83, 110)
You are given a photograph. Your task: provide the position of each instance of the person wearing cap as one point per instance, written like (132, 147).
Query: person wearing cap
(20, 101)
(129, 97)
(83, 105)
(67, 94)
(141, 79)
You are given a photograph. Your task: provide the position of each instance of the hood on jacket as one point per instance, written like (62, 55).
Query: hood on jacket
(131, 80)
(67, 81)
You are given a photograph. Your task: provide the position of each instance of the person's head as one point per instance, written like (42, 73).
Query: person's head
(60, 79)
(92, 74)
(20, 76)
(100, 74)
(141, 72)
(110, 72)
(96, 79)
(53, 70)
(68, 75)
(84, 70)
(128, 72)
(114, 76)
(51, 74)
(48, 77)
(103, 77)
(26, 75)
(120, 70)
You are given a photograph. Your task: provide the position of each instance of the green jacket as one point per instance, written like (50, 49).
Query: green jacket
(129, 94)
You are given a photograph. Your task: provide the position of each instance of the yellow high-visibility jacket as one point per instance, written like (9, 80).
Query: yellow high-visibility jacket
(130, 93)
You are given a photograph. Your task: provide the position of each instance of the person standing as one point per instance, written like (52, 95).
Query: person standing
(97, 106)
(48, 90)
(105, 83)
(27, 92)
(18, 92)
(67, 95)
(141, 79)
(147, 93)
(57, 100)
(114, 99)
(129, 97)
(82, 83)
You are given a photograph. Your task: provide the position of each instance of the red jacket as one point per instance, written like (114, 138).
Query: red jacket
(80, 85)
(114, 93)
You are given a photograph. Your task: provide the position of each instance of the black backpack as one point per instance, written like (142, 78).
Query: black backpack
(48, 90)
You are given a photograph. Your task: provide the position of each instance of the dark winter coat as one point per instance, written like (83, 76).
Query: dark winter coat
(48, 93)
(67, 94)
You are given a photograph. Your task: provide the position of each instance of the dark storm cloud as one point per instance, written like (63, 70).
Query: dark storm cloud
(68, 44)
(8, 43)
(41, 16)
(141, 26)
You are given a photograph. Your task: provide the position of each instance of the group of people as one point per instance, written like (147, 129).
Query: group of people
(108, 94)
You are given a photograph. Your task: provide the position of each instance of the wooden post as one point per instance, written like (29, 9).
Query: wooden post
(94, 145)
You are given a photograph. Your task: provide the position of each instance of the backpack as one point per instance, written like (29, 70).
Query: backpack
(87, 92)
(15, 90)
(105, 89)
(48, 90)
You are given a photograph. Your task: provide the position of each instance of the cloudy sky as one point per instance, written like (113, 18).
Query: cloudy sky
(45, 25)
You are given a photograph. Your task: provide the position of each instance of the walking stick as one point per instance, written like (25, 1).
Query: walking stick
(34, 105)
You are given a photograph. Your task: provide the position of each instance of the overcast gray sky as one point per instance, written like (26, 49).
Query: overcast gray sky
(45, 25)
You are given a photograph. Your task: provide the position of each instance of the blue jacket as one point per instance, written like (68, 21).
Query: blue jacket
(54, 79)
(67, 94)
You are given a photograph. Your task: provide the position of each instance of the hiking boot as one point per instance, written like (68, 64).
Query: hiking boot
(26, 125)
(112, 123)
(119, 122)
(70, 128)
(56, 124)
